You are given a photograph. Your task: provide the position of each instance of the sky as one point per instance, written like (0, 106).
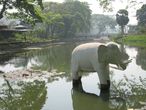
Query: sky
(118, 4)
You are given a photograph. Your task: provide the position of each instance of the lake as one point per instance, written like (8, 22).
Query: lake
(127, 92)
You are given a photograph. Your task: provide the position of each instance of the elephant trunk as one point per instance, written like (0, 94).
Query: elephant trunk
(124, 64)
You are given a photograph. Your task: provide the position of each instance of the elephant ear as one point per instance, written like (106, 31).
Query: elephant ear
(102, 53)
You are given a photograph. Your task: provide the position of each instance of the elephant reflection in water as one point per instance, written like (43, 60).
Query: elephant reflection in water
(96, 57)
(83, 100)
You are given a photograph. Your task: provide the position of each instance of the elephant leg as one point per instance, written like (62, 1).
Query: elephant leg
(74, 72)
(104, 83)
(106, 75)
(105, 86)
(75, 76)
(77, 82)
(100, 70)
(103, 78)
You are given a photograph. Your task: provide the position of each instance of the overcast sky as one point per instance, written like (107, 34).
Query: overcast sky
(118, 4)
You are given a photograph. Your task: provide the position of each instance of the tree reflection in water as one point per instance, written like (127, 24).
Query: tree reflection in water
(23, 95)
(141, 58)
(123, 95)
(133, 91)
(56, 57)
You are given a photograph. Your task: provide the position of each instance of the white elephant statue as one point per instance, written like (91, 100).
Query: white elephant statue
(96, 57)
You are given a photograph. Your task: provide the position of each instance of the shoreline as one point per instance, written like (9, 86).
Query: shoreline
(14, 47)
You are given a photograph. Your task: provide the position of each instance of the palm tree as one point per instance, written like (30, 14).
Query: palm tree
(122, 19)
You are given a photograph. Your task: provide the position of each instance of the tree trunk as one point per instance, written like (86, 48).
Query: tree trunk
(3, 8)
(122, 30)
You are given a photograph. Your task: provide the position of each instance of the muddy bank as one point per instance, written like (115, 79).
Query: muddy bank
(29, 74)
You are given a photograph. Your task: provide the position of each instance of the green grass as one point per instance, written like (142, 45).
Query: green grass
(134, 40)
(29, 38)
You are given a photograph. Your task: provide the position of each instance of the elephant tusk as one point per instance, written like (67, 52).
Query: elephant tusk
(117, 68)
(127, 61)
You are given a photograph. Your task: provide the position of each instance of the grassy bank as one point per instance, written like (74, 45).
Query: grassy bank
(134, 40)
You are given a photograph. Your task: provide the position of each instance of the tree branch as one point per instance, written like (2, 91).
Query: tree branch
(3, 8)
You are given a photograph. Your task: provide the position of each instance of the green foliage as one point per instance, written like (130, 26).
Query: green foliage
(29, 37)
(66, 19)
(53, 23)
(134, 40)
(59, 19)
(122, 19)
(26, 9)
(141, 17)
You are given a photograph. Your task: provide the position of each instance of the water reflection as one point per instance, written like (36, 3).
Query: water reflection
(125, 56)
(128, 88)
(141, 58)
(131, 90)
(83, 100)
(54, 58)
(48, 59)
(22, 95)
(59, 94)
(123, 95)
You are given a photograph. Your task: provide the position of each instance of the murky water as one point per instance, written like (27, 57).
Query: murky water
(127, 92)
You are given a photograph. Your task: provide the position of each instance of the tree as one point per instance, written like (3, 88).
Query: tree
(67, 18)
(76, 17)
(122, 19)
(100, 23)
(53, 23)
(107, 5)
(25, 8)
(141, 17)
